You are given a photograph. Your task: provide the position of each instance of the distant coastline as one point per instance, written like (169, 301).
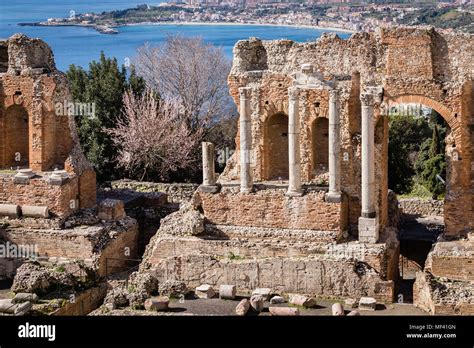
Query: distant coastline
(111, 29)
(303, 26)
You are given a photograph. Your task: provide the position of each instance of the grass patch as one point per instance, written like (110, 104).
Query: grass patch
(235, 257)
(418, 191)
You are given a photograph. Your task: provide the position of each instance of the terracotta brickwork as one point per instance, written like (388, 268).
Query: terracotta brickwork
(35, 135)
(410, 65)
(271, 208)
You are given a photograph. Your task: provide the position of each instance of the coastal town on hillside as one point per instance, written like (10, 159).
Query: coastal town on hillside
(348, 15)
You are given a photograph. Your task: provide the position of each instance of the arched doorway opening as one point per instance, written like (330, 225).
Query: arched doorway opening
(276, 145)
(320, 145)
(16, 137)
(417, 147)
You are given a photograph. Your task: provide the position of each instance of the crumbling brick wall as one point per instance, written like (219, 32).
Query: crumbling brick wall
(35, 134)
(412, 65)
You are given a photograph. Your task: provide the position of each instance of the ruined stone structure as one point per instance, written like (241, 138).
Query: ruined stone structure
(307, 186)
(34, 138)
(47, 186)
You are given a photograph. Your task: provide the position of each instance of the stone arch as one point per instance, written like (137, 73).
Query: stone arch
(16, 137)
(276, 147)
(453, 142)
(320, 144)
(449, 116)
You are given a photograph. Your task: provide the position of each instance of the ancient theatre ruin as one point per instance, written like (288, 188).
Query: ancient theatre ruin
(317, 111)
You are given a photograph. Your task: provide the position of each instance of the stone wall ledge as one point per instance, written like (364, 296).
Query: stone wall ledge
(314, 276)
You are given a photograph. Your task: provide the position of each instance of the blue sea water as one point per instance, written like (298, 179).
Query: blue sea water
(76, 45)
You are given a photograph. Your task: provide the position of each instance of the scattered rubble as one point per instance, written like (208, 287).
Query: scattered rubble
(227, 292)
(301, 300)
(284, 311)
(350, 303)
(256, 302)
(157, 303)
(277, 300)
(337, 309)
(25, 297)
(265, 292)
(173, 288)
(187, 221)
(243, 307)
(367, 304)
(205, 291)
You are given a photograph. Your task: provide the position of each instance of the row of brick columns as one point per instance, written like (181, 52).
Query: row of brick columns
(368, 222)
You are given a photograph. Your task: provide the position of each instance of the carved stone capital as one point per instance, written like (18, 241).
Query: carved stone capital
(245, 92)
(333, 95)
(293, 93)
(367, 99)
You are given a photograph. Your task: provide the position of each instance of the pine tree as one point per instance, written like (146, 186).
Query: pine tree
(103, 84)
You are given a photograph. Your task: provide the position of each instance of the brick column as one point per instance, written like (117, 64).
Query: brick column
(334, 194)
(294, 160)
(245, 140)
(368, 222)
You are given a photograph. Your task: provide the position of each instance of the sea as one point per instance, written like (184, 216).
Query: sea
(79, 46)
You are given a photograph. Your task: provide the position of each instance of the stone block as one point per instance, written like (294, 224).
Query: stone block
(111, 209)
(350, 303)
(337, 309)
(24, 297)
(265, 292)
(209, 188)
(368, 230)
(205, 291)
(7, 306)
(23, 308)
(284, 311)
(367, 304)
(301, 300)
(227, 292)
(58, 178)
(353, 314)
(158, 304)
(256, 301)
(277, 300)
(243, 307)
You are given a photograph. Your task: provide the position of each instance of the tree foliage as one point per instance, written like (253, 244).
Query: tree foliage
(192, 71)
(416, 153)
(195, 74)
(404, 140)
(154, 138)
(102, 84)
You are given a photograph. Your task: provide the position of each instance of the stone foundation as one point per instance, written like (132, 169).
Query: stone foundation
(84, 303)
(452, 260)
(440, 296)
(313, 275)
(446, 286)
(94, 244)
(417, 206)
(176, 192)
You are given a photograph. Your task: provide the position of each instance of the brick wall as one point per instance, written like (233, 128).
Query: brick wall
(320, 144)
(276, 145)
(413, 65)
(271, 208)
(40, 193)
